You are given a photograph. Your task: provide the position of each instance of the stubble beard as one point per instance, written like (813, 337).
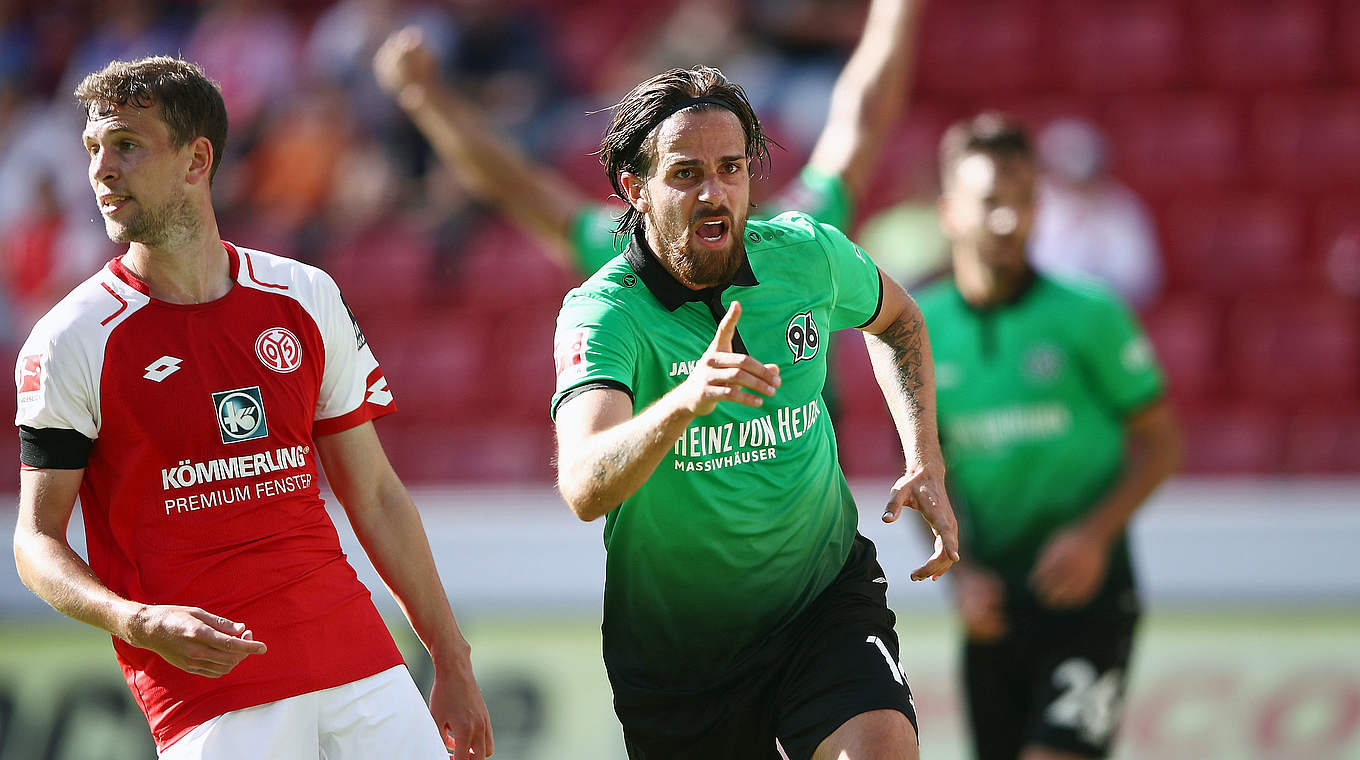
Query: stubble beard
(160, 227)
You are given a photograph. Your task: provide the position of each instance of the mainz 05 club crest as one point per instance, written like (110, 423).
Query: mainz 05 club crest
(803, 337)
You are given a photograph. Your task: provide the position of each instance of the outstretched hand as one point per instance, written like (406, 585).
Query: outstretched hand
(404, 60)
(721, 375)
(924, 492)
(192, 639)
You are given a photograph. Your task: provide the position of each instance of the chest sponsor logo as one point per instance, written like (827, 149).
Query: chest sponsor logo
(240, 414)
(30, 374)
(162, 368)
(279, 350)
(802, 337)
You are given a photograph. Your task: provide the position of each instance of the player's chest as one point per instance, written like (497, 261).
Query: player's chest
(789, 334)
(982, 362)
(228, 377)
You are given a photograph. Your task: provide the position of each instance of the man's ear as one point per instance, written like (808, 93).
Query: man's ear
(200, 160)
(632, 190)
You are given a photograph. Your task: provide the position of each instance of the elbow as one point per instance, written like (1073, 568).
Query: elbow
(584, 504)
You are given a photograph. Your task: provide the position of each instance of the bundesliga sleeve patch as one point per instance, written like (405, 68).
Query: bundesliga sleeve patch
(30, 374)
(569, 355)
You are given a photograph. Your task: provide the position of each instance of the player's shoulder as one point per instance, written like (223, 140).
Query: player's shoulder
(91, 311)
(937, 295)
(272, 273)
(788, 229)
(614, 284)
(1082, 294)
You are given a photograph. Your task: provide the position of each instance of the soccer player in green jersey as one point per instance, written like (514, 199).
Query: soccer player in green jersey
(577, 231)
(1055, 429)
(744, 615)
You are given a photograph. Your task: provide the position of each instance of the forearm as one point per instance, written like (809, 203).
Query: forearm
(491, 168)
(57, 575)
(902, 363)
(869, 94)
(1151, 458)
(393, 536)
(603, 469)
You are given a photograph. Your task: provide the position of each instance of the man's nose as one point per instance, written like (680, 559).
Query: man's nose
(712, 191)
(103, 166)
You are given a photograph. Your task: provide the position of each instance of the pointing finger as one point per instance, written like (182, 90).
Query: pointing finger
(727, 328)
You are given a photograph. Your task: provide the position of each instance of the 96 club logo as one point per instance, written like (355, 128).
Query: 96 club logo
(279, 350)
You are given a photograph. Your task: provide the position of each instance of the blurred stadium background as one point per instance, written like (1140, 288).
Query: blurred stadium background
(1237, 122)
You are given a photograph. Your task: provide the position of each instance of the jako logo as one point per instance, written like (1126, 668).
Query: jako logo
(240, 414)
(802, 337)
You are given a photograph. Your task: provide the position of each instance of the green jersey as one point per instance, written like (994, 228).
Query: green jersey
(819, 195)
(1032, 398)
(748, 517)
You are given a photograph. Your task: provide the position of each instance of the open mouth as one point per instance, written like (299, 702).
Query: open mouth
(110, 203)
(712, 232)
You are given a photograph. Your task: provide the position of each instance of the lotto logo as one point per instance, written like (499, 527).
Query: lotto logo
(240, 414)
(30, 374)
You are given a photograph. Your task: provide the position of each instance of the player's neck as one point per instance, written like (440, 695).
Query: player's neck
(190, 271)
(984, 287)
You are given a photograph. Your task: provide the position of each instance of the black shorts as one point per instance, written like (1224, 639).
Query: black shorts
(837, 659)
(1056, 680)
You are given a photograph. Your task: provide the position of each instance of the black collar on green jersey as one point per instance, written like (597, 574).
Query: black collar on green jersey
(669, 291)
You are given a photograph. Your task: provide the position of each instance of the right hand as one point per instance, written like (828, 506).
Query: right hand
(980, 596)
(192, 639)
(404, 60)
(721, 375)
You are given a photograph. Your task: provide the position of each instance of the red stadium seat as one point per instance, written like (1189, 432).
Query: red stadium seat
(980, 46)
(1295, 347)
(1226, 244)
(1119, 47)
(1307, 139)
(1335, 247)
(1232, 440)
(1186, 331)
(1262, 43)
(1171, 141)
(1324, 441)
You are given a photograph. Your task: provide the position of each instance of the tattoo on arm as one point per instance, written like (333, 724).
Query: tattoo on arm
(904, 340)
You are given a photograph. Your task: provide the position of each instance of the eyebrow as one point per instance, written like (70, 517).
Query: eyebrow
(114, 129)
(697, 162)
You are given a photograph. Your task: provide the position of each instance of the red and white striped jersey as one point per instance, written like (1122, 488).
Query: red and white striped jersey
(200, 484)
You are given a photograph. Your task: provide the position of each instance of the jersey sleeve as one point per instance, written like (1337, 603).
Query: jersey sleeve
(353, 387)
(1119, 356)
(57, 403)
(857, 289)
(595, 343)
(593, 242)
(820, 195)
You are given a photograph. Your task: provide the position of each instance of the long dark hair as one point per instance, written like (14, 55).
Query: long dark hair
(629, 143)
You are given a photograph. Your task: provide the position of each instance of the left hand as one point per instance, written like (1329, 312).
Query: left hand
(923, 491)
(1070, 568)
(460, 713)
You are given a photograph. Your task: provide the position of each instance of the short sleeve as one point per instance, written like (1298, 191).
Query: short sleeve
(593, 243)
(855, 283)
(820, 195)
(595, 343)
(353, 387)
(56, 387)
(1120, 357)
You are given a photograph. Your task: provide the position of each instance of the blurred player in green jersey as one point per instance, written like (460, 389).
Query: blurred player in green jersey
(1055, 428)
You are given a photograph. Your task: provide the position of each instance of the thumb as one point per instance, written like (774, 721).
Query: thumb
(727, 328)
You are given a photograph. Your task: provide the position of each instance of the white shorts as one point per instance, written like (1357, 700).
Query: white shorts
(379, 716)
